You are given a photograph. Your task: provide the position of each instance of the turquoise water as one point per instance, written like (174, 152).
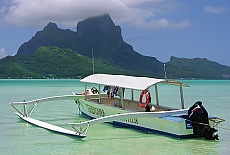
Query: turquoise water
(18, 137)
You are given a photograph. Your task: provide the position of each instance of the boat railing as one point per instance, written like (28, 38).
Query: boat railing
(162, 108)
(129, 104)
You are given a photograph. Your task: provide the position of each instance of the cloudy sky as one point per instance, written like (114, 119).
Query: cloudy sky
(158, 28)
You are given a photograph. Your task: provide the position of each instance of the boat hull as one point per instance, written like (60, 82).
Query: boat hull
(171, 125)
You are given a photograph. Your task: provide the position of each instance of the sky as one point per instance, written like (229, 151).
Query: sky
(157, 28)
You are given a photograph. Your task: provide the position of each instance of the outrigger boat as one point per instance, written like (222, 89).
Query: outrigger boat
(116, 104)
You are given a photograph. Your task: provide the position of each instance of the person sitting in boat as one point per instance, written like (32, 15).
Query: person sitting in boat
(86, 93)
(92, 91)
(150, 108)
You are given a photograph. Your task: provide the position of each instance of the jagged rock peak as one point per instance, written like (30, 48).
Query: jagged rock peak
(51, 25)
(102, 23)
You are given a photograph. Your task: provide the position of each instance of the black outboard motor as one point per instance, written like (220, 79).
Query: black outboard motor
(199, 120)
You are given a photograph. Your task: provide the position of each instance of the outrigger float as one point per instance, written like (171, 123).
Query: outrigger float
(29, 106)
(116, 104)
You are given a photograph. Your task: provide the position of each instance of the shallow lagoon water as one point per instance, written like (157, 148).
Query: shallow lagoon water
(18, 137)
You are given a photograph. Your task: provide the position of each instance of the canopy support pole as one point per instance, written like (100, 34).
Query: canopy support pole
(122, 98)
(156, 93)
(85, 90)
(99, 93)
(181, 97)
(132, 95)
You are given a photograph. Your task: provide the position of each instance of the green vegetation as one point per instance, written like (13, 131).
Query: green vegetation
(198, 68)
(53, 62)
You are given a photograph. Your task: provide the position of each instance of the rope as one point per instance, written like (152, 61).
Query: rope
(199, 123)
(220, 127)
(224, 128)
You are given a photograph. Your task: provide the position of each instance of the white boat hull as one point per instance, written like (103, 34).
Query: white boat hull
(170, 125)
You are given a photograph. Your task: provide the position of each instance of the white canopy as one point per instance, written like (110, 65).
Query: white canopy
(131, 82)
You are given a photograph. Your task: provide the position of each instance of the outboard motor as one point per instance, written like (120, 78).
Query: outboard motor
(199, 120)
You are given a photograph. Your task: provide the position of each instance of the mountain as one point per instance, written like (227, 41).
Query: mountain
(53, 62)
(199, 68)
(51, 35)
(58, 53)
(102, 36)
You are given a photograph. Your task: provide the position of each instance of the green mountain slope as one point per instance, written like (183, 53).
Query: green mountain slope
(53, 62)
(199, 68)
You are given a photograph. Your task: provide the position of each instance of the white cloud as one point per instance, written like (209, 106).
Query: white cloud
(141, 13)
(216, 10)
(2, 53)
(162, 23)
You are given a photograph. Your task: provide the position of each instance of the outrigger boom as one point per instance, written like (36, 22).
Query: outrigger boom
(118, 117)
